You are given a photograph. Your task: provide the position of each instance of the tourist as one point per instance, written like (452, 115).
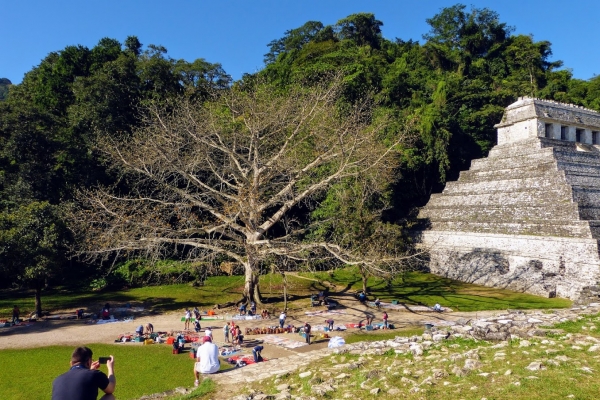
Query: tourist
(377, 303)
(306, 330)
(385, 320)
(196, 313)
(234, 333)
(362, 297)
(329, 323)
(282, 317)
(105, 313)
(140, 330)
(207, 359)
(370, 318)
(256, 353)
(197, 326)
(226, 332)
(84, 378)
(15, 314)
(149, 328)
(187, 318)
(208, 332)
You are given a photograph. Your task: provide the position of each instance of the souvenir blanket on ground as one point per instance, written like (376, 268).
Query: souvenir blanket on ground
(225, 352)
(247, 359)
(283, 342)
(126, 309)
(404, 307)
(112, 320)
(246, 317)
(335, 328)
(325, 313)
(354, 325)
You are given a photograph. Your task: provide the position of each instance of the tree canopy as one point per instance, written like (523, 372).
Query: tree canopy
(60, 130)
(224, 179)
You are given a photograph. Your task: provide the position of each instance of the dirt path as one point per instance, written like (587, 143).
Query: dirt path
(81, 332)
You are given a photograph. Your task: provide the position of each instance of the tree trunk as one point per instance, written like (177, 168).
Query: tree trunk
(365, 278)
(284, 290)
(38, 300)
(251, 286)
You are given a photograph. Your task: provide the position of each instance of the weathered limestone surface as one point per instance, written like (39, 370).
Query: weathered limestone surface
(527, 217)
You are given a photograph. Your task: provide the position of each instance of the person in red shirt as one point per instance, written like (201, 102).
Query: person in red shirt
(385, 320)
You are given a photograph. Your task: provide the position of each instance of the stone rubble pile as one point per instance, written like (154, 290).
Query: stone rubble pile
(497, 329)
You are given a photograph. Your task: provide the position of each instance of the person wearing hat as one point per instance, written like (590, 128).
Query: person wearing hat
(306, 330)
(207, 359)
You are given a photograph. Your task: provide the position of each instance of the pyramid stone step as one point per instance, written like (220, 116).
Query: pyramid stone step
(536, 228)
(504, 213)
(543, 171)
(518, 197)
(583, 180)
(512, 162)
(532, 183)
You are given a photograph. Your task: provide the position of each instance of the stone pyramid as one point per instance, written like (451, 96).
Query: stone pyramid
(527, 217)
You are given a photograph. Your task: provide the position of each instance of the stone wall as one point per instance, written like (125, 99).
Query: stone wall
(527, 217)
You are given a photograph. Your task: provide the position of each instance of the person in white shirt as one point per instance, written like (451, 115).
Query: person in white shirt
(207, 359)
(208, 332)
(282, 319)
(188, 317)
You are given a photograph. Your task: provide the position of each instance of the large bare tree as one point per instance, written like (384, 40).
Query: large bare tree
(232, 178)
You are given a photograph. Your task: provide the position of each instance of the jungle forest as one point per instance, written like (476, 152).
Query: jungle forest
(121, 165)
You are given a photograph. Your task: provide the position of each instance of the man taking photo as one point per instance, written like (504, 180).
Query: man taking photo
(83, 380)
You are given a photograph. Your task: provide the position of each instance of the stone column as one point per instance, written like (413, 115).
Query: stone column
(586, 136)
(555, 131)
(571, 134)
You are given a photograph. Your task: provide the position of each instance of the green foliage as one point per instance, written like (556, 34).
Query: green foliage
(4, 85)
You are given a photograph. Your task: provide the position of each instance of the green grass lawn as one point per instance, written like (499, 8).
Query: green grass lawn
(140, 370)
(417, 288)
(414, 288)
(28, 373)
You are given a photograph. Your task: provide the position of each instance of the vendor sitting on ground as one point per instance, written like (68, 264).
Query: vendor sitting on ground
(140, 330)
(252, 308)
(207, 359)
(243, 309)
(197, 325)
(377, 303)
(181, 340)
(265, 314)
(362, 297)
(149, 328)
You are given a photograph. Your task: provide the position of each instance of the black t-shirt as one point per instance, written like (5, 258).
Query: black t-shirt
(79, 384)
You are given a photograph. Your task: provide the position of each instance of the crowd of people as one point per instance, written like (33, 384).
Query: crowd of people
(85, 378)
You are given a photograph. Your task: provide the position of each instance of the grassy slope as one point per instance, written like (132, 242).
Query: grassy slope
(151, 369)
(503, 373)
(413, 288)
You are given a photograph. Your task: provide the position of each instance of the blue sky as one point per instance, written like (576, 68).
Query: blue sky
(235, 33)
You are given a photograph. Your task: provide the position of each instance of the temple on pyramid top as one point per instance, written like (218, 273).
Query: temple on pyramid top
(526, 217)
(529, 118)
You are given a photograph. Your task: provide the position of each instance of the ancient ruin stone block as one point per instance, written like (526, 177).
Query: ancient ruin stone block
(527, 217)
